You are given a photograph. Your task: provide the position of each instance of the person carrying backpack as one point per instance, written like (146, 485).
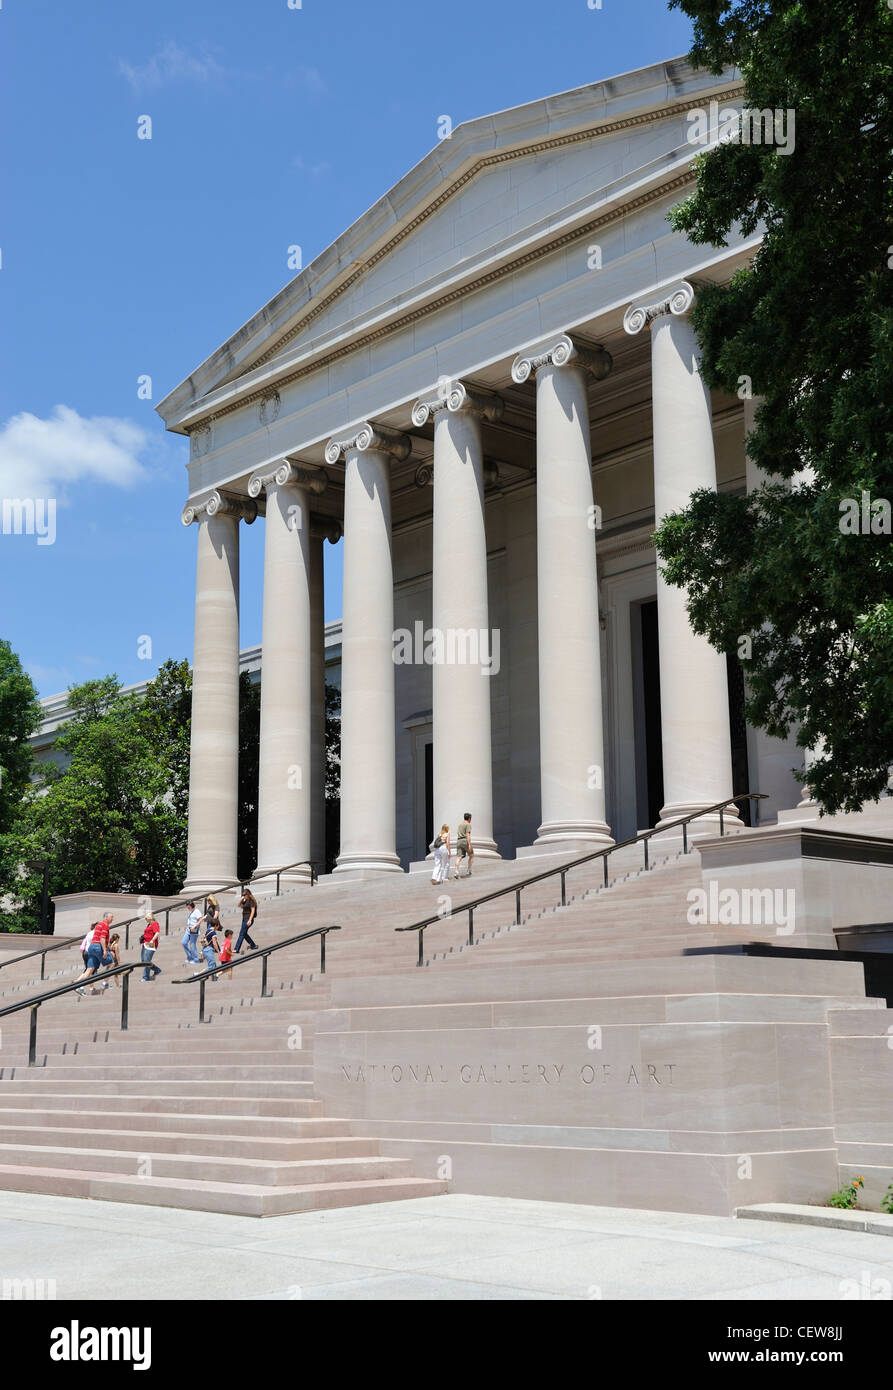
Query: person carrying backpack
(149, 945)
(441, 848)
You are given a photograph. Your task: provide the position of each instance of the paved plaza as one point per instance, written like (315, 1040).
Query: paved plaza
(451, 1247)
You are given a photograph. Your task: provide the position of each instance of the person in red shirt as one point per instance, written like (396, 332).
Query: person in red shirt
(97, 949)
(226, 951)
(149, 944)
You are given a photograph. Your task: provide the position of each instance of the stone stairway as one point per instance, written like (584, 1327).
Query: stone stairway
(223, 1116)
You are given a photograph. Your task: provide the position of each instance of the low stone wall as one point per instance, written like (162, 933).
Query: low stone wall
(691, 1083)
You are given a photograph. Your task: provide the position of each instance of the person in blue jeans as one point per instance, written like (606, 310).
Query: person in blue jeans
(210, 948)
(190, 935)
(248, 904)
(149, 946)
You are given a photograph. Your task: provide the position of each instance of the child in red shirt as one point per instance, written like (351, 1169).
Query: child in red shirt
(226, 951)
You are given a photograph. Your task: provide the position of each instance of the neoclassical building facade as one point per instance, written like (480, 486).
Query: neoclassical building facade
(489, 386)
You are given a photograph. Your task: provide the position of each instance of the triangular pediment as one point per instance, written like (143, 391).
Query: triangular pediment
(484, 199)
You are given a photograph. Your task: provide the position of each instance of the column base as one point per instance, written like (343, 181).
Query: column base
(291, 877)
(366, 865)
(588, 834)
(704, 825)
(200, 887)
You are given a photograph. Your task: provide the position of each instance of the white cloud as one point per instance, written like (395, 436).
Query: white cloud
(310, 80)
(171, 64)
(314, 170)
(40, 458)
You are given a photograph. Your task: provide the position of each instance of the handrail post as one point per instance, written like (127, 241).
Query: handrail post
(43, 961)
(322, 953)
(421, 959)
(605, 862)
(263, 978)
(564, 890)
(125, 1000)
(32, 1037)
(201, 1000)
(167, 921)
(277, 882)
(471, 926)
(721, 822)
(645, 847)
(518, 907)
(685, 837)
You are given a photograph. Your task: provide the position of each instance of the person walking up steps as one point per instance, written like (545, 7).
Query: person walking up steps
(149, 945)
(248, 904)
(226, 951)
(210, 948)
(190, 935)
(96, 950)
(464, 847)
(441, 848)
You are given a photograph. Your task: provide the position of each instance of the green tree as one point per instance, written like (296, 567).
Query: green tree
(808, 326)
(114, 817)
(19, 718)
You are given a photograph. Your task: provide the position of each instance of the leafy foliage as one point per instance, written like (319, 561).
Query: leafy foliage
(114, 818)
(809, 325)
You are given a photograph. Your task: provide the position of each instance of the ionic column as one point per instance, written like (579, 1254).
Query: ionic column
(214, 737)
(697, 756)
(284, 778)
(465, 651)
(321, 530)
(570, 688)
(368, 739)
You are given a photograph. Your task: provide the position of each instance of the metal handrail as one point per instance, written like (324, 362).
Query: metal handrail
(128, 922)
(35, 1002)
(564, 869)
(263, 952)
(42, 952)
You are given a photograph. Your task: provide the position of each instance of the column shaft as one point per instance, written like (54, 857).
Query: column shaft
(368, 742)
(570, 689)
(214, 738)
(694, 697)
(466, 650)
(285, 779)
(318, 705)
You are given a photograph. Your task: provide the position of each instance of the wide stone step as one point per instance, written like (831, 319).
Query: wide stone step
(92, 1069)
(271, 1125)
(110, 1135)
(154, 1102)
(206, 1168)
(35, 1079)
(241, 1199)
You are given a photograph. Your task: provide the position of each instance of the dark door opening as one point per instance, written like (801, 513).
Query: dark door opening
(429, 795)
(738, 727)
(654, 763)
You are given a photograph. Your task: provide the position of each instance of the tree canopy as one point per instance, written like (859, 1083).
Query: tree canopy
(797, 577)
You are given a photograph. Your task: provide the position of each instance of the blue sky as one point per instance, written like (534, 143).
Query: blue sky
(124, 257)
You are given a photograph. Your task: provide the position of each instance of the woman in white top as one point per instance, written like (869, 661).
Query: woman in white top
(441, 849)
